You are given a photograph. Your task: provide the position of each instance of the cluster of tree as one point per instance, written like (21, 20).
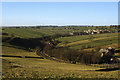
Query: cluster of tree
(74, 56)
(27, 44)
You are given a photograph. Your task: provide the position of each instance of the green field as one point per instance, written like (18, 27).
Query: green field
(14, 67)
(43, 31)
(18, 62)
(84, 37)
(76, 42)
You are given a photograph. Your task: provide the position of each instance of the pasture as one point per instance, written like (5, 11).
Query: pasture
(14, 67)
(27, 32)
(19, 62)
(84, 37)
(77, 42)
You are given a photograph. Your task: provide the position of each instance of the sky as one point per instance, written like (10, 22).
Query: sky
(59, 13)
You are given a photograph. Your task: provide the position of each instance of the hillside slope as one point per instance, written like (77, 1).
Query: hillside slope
(15, 67)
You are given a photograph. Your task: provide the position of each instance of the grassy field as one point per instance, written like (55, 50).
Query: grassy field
(84, 37)
(14, 67)
(77, 42)
(19, 63)
(43, 31)
(95, 43)
(17, 52)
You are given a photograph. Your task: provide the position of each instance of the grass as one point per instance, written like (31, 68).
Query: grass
(77, 42)
(43, 31)
(85, 37)
(17, 52)
(44, 68)
(95, 44)
(23, 32)
(87, 41)
(15, 67)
